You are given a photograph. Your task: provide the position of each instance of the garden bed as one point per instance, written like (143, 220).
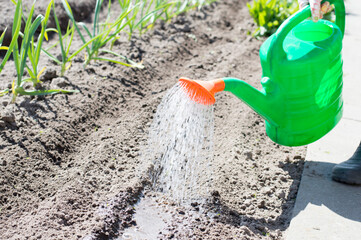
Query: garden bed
(71, 166)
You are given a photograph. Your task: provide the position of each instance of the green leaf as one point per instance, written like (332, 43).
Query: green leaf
(15, 34)
(84, 46)
(52, 57)
(96, 17)
(71, 16)
(44, 23)
(132, 63)
(2, 36)
(86, 29)
(268, 12)
(4, 92)
(262, 19)
(21, 91)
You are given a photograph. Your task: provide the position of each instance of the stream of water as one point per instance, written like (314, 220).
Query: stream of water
(180, 145)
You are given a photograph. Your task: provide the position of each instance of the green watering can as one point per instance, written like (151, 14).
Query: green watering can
(301, 97)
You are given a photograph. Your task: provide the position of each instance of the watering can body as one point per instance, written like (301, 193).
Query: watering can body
(301, 98)
(305, 75)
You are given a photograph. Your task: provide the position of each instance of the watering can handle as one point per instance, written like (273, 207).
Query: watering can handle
(280, 35)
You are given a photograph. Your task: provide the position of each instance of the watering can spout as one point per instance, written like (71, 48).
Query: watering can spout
(200, 91)
(260, 101)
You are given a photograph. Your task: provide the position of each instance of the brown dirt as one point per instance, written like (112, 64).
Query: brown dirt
(70, 165)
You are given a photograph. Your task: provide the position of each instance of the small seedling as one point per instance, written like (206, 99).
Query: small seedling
(65, 42)
(144, 14)
(29, 49)
(15, 34)
(100, 35)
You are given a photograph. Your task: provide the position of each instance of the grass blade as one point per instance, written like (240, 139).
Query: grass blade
(114, 61)
(42, 33)
(27, 40)
(15, 33)
(20, 90)
(2, 36)
(84, 46)
(96, 17)
(133, 64)
(70, 41)
(86, 29)
(51, 56)
(70, 15)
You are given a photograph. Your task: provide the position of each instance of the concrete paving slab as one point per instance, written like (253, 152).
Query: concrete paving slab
(351, 53)
(326, 209)
(353, 112)
(338, 145)
(352, 70)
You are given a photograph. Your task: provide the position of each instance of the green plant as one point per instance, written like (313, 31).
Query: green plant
(144, 14)
(148, 17)
(269, 14)
(4, 48)
(64, 42)
(137, 15)
(34, 48)
(16, 31)
(100, 35)
(2, 39)
(7, 55)
(15, 34)
(28, 46)
(179, 7)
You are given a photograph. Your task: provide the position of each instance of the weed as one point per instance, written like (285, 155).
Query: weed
(270, 14)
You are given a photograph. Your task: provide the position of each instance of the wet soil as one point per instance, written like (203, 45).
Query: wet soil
(70, 165)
